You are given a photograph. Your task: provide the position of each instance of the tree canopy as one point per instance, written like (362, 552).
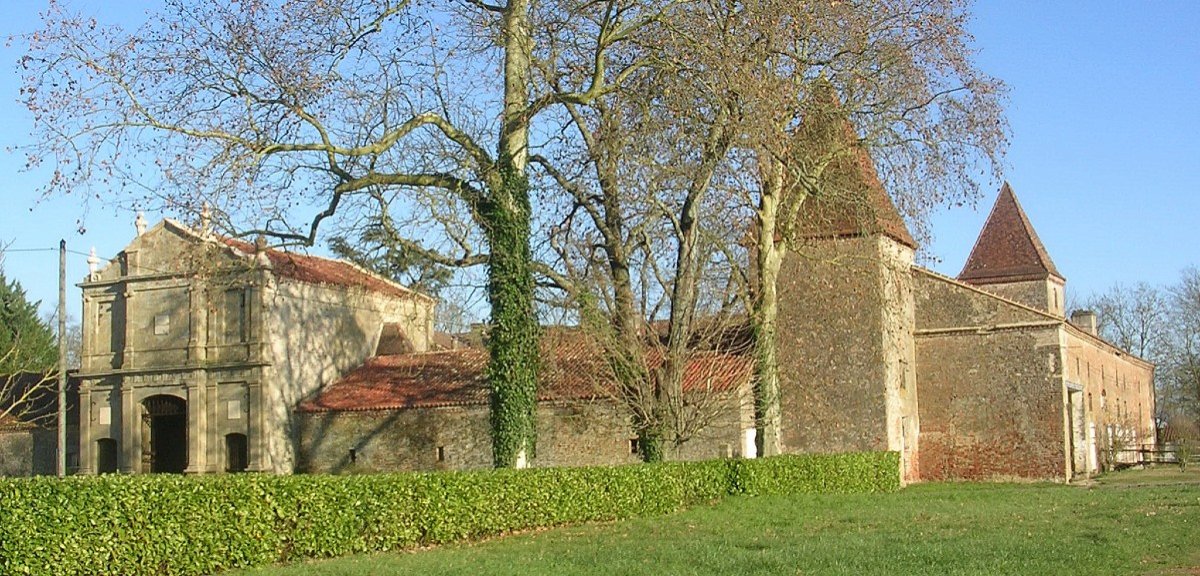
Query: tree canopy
(461, 131)
(26, 343)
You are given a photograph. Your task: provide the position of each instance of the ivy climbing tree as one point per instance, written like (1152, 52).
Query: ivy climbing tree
(282, 115)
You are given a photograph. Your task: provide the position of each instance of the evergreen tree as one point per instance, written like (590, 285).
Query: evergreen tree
(26, 343)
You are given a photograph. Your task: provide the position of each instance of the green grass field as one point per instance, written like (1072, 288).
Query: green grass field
(1135, 522)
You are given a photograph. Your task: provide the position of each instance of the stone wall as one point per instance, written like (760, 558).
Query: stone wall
(991, 386)
(28, 451)
(318, 333)
(578, 433)
(1117, 396)
(1045, 295)
(16, 452)
(845, 354)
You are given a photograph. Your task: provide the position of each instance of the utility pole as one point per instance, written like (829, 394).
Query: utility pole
(62, 358)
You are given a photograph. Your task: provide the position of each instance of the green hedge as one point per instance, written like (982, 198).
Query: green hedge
(200, 525)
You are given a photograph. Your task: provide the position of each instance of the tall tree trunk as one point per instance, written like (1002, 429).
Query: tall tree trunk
(669, 391)
(513, 342)
(769, 257)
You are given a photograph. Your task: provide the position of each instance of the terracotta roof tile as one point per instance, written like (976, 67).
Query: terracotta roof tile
(317, 270)
(9, 423)
(575, 369)
(1008, 249)
(852, 201)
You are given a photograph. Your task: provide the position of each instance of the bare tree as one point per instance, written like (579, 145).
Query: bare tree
(640, 168)
(282, 114)
(790, 92)
(825, 86)
(1178, 373)
(1162, 326)
(1133, 317)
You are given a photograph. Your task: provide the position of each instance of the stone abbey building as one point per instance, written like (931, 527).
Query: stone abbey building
(207, 355)
(196, 350)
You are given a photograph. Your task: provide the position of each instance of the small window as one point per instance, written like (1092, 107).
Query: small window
(635, 447)
(441, 454)
(237, 457)
(353, 455)
(162, 324)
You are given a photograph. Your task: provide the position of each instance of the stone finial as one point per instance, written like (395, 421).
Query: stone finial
(205, 218)
(94, 262)
(139, 223)
(260, 251)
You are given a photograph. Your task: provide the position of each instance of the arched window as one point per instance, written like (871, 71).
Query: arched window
(106, 456)
(237, 457)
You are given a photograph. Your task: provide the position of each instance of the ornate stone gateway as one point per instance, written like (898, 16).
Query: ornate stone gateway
(164, 434)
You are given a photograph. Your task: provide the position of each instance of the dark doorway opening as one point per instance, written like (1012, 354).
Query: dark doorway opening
(106, 456)
(164, 439)
(237, 457)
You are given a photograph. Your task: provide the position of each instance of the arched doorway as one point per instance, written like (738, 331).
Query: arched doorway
(237, 457)
(164, 435)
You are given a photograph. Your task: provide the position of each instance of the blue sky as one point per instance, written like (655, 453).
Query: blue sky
(1105, 155)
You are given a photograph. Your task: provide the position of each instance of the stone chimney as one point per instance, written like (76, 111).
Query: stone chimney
(1085, 320)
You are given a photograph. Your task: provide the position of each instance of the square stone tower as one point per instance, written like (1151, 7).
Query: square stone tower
(846, 316)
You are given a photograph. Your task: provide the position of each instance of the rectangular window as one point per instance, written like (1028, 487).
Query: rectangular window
(236, 317)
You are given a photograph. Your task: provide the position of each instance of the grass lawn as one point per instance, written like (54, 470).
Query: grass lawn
(1134, 522)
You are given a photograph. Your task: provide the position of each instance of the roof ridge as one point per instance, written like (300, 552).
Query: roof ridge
(955, 281)
(242, 247)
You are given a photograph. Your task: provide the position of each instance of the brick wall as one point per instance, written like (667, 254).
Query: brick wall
(1118, 395)
(991, 405)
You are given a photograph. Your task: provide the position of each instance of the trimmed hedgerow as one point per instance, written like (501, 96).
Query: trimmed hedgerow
(200, 525)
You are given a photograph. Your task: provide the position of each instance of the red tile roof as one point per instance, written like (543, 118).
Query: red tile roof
(317, 270)
(575, 369)
(1008, 249)
(852, 201)
(9, 423)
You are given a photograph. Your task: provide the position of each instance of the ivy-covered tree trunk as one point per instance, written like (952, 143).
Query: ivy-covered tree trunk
(513, 340)
(505, 216)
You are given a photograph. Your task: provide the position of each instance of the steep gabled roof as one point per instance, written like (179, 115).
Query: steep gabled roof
(852, 201)
(574, 369)
(1008, 249)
